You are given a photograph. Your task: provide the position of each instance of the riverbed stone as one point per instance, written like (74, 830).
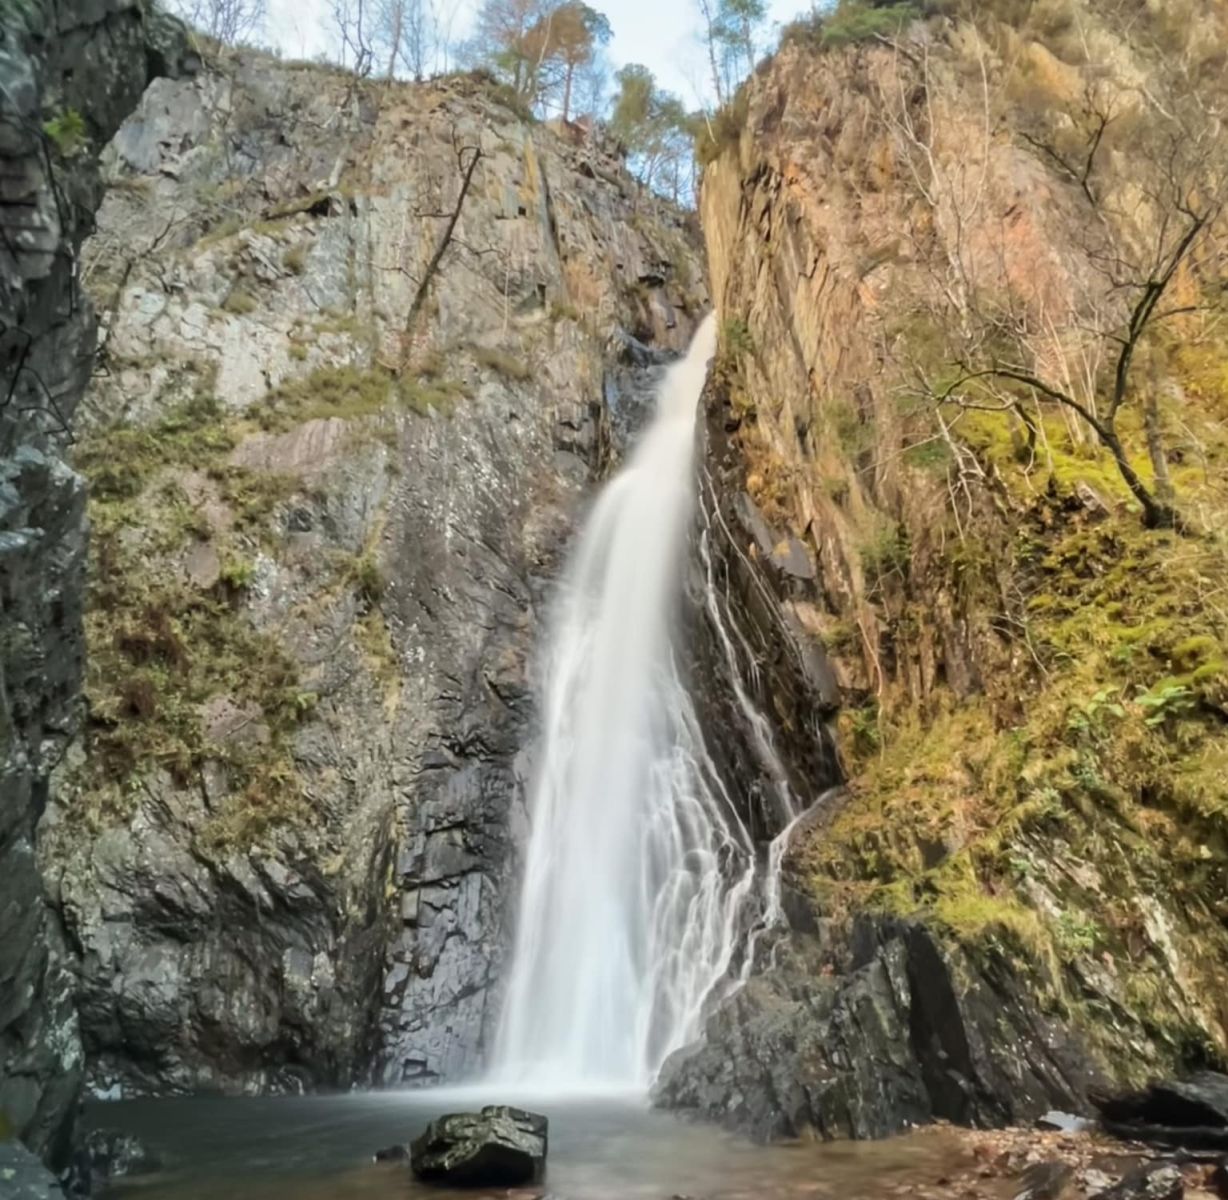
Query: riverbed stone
(500, 1146)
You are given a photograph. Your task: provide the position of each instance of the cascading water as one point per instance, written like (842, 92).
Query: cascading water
(640, 880)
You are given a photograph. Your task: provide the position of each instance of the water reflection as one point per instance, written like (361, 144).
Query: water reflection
(320, 1148)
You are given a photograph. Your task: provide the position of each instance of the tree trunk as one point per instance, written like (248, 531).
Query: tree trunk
(571, 70)
(394, 37)
(1155, 448)
(1157, 513)
(706, 9)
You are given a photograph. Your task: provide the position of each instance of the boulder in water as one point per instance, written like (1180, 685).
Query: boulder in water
(498, 1147)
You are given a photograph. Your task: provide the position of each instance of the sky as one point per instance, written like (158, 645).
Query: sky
(661, 34)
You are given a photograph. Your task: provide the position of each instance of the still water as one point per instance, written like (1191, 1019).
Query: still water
(320, 1148)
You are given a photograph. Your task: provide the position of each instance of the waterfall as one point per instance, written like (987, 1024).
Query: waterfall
(640, 881)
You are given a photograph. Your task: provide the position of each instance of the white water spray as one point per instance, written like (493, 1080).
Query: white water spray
(640, 880)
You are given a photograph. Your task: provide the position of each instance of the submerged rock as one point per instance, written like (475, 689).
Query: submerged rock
(498, 1147)
(23, 1177)
(110, 1155)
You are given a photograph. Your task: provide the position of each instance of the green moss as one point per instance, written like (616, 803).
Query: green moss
(160, 647)
(363, 573)
(1103, 784)
(295, 259)
(119, 462)
(352, 393)
(723, 129)
(562, 310)
(884, 551)
(66, 131)
(853, 21)
(239, 302)
(504, 364)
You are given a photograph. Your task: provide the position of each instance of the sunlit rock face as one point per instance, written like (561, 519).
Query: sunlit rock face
(1020, 891)
(324, 535)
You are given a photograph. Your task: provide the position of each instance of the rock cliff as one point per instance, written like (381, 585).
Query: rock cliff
(927, 246)
(365, 348)
(69, 74)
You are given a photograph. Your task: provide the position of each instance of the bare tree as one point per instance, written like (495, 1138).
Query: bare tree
(403, 33)
(351, 21)
(1004, 352)
(229, 21)
(710, 13)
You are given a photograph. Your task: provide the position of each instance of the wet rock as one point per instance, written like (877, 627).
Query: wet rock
(1191, 1112)
(111, 1155)
(397, 1153)
(904, 1032)
(23, 1177)
(1152, 1182)
(1063, 1122)
(498, 1147)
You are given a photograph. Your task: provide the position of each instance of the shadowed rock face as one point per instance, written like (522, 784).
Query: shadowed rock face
(897, 1032)
(294, 870)
(70, 72)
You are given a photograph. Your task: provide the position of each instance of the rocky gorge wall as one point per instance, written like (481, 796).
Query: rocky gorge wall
(365, 348)
(69, 75)
(1018, 894)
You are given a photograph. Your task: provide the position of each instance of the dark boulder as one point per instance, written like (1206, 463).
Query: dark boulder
(498, 1147)
(903, 1032)
(397, 1153)
(1191, 1113)
(110, 1155)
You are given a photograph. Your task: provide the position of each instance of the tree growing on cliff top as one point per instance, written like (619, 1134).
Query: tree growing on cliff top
(730, 32)
(656, 130)
(228, 21)
(539, 46)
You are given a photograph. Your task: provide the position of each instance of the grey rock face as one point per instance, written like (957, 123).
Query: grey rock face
(263, 242)
(69, 73)
(498, 1147)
